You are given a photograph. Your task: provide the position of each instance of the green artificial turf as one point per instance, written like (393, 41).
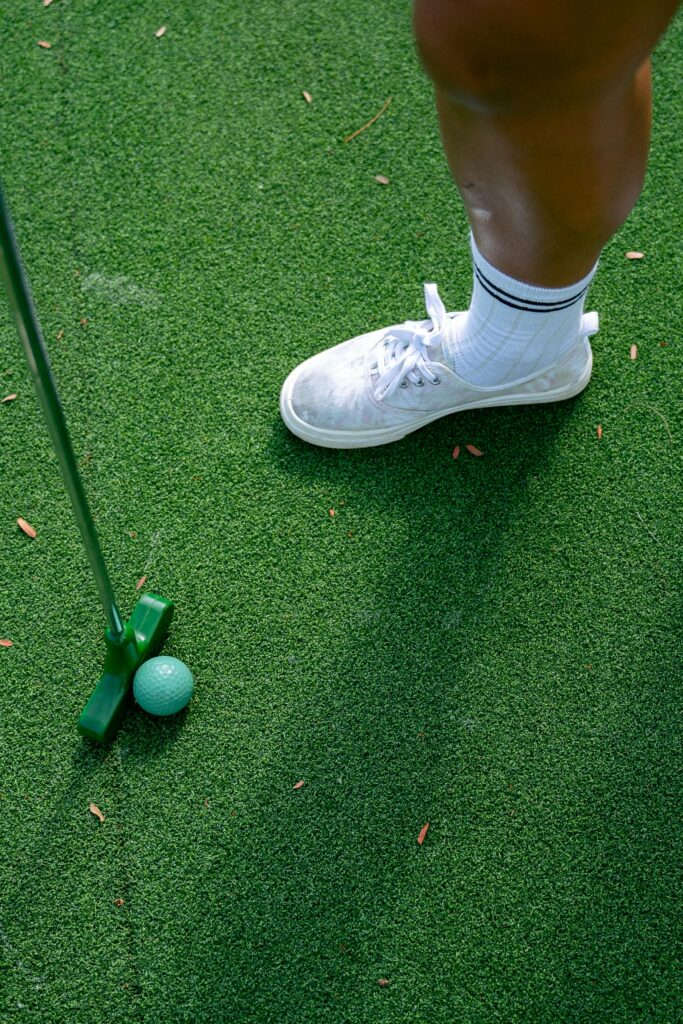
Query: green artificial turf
(492, 645)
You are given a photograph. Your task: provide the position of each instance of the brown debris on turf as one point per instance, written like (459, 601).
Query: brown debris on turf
(332, 513)
(381, 180)
(83, 321)
(599, 432)
(423, 833)
(473, 450)
(44, 43)
(6, 643)
(141, 582)
(119, 902)
(634, 255)
(27, 528)
(160, 32)
(299, 784)
(307, 96)
(8, 398)
(59, 335)
(456, 451)
(371, 121)
(94, 809)
(383, 982)
(46, 3)
(634, 351)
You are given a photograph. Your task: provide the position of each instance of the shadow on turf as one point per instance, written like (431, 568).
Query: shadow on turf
(300, 923)
(518, 443)
(142, 735)
(303, 927)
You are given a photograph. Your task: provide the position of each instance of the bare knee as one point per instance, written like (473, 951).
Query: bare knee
(510, 55)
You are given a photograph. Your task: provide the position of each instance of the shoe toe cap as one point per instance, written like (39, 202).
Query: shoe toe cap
(328, 391)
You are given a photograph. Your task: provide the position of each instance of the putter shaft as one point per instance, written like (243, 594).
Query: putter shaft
(21, 303)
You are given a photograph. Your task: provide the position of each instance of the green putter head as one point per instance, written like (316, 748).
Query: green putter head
(143, 637)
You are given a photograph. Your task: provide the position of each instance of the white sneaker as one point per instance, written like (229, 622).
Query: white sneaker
(380, 386)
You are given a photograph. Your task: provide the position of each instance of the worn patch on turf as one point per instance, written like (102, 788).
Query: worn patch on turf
(120, 289)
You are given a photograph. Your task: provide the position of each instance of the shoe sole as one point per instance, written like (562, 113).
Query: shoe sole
(374, 438)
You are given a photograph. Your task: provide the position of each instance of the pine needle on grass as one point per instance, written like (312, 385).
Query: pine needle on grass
(371, 121)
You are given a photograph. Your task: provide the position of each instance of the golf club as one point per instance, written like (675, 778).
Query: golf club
(128, 644)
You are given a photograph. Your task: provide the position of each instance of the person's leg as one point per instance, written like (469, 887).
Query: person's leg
(544, 108)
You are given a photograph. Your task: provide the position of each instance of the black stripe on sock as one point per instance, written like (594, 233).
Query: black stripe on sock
(529, 305)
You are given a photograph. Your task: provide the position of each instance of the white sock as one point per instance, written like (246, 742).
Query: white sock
(513, 330)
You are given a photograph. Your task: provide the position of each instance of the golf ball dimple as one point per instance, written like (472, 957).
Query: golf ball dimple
(163, 685)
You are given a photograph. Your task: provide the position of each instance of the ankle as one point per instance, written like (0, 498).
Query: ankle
(514, 330)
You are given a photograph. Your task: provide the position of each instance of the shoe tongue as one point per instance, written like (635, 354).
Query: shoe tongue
(443, 353)
(435, 354)
(446, 351)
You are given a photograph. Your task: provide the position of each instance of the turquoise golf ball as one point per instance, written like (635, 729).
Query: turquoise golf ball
(163, 686)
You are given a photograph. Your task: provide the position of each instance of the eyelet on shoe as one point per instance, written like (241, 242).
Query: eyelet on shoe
(403, 384)
(437, 380)
(420, 384)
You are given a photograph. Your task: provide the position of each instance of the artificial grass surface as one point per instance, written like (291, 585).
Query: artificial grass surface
(492, 645)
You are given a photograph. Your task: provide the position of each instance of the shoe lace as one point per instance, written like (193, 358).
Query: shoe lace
(404, 351)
